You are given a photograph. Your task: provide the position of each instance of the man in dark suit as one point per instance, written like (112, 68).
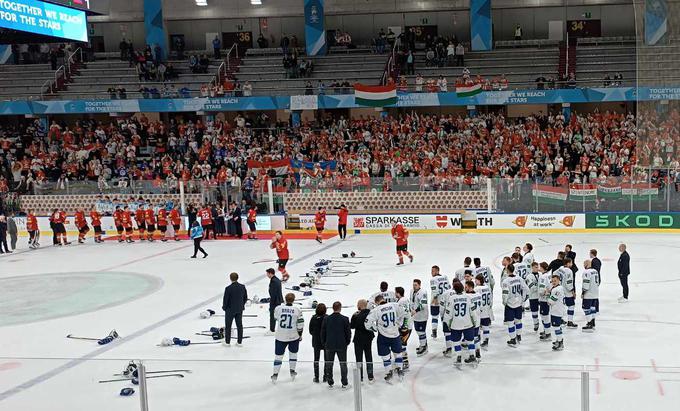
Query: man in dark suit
(595, 262)
(568, 253)
(336, 336)
(624, 271)
(275, 297)
(236, 218)
(233, 304)
(362, 339)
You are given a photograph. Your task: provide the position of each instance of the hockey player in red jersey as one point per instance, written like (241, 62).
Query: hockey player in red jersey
(281, 245)
(163, 223)
(252, 222)
(81, 224)
(320, 223)
(126, 221)
(150, 219)
(141, 221)
(400, 235)
(176, 220)
(97, 224)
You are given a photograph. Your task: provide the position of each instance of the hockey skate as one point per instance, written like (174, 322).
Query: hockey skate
(274, 377)
(558, 346)
(447, 352)
(458, 363)
(400, 374)
(421, 350)
(293, 374)
(472, 361)
(571, 324)
(388, 377)
(512, 343)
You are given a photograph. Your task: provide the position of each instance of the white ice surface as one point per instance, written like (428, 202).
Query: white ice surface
(42, 370)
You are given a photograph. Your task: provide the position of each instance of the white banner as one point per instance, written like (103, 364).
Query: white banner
(304, 103)
(530, 221)
(369, 222)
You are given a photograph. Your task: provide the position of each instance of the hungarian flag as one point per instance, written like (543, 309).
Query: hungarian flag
(280, 167)
(375, 96)
(468, 90)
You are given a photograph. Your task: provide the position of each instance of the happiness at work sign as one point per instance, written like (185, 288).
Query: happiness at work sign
(48, 19)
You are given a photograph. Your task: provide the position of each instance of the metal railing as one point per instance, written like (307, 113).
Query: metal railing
(234, 48)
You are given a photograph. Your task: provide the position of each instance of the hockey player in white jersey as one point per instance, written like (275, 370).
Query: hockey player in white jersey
(419, 314)
(460, 273)
(532, 283)
(505, 263)
(567, 281)
(515, 292)
(557, 311)
(439, 283)
(485, 308)
(544, 287)
(290, 325)
(590, 294)
(528, 254)
(476, 300)
(522, 269)
(387, 319)
(443, 298)
(461, 317)
(484, 271)
(387, 294)
(405, 330)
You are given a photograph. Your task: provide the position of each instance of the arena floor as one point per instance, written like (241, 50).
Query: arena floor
(151, 291)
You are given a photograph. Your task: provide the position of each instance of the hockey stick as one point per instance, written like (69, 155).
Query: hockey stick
(244, 315)
(356, 256)
(192, 343)
(247, 327)
(269, 260)
(134, 380)
(326, 276)
(343, 284)
(155, 372)
(82, 338)
(347, 262)
(219, 338)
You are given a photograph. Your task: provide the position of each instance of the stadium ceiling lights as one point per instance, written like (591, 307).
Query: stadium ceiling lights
(201, 3)
(256, 2)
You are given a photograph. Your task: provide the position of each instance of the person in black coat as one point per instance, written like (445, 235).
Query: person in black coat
(275, 297)
(233, 304)
(236, 218)
(335, 337)
(362, 339)
(568, 253)
(315, 330)
(3, 235)
(595, 262)
(624, 271)
(557, 263)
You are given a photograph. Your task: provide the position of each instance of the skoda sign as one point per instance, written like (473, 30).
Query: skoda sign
(633, 220)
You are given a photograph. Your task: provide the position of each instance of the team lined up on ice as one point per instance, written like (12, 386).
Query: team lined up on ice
(464, 306)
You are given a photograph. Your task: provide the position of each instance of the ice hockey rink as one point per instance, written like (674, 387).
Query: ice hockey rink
(151, 291)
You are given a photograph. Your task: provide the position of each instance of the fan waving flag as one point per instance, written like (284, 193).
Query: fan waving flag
(468, 90)
(375, 96)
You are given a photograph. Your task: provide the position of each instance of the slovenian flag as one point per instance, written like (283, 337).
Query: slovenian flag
(468, 90)
(375, 96)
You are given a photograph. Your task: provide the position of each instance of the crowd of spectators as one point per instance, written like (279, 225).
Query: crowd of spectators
(442, 152)
(615, 80)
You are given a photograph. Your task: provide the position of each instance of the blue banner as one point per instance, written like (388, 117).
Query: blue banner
(656, 21)
(480, 25)
(315, 28)
(258, 103)
(155, 26)
(48, 19)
